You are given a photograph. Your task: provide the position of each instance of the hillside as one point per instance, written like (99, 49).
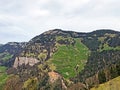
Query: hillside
(110, 85)
(9, 51)
(69, 60)
(77, 60)
(3, 76)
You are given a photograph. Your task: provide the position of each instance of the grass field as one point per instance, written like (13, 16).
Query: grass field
(69, 59)
(3, 76)
(113, 84)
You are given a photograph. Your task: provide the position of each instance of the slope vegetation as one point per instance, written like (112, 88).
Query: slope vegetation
(3, 76)
(70, 59)
(110, 85)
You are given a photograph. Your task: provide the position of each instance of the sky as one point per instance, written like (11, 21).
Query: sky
(21, 20)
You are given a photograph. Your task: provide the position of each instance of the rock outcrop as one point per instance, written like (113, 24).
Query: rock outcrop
(24, 60)
(57, 80)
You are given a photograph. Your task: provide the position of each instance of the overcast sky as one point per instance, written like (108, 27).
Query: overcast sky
(21, 20)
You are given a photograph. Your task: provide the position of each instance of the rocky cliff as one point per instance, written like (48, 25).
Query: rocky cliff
(24, 60)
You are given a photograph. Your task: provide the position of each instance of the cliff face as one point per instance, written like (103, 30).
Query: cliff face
(24, 60)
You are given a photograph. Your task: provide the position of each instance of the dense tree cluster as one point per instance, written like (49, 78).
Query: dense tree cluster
(105, 64)
(110, 38)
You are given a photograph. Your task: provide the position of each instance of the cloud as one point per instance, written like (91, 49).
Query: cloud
(24, 19)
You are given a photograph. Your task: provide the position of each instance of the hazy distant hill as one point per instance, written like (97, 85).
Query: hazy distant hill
(9, 51)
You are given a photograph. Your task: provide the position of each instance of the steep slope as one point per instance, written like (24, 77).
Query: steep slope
(104, 60)
(68, 60)
(58, 47)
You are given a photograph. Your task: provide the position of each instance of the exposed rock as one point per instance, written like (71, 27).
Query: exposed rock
(25, 60)
(55, 77)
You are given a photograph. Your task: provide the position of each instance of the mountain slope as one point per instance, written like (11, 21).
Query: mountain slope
(77, 60)
(110, 85)
(3, 76)
(69, 60)
(9, 51)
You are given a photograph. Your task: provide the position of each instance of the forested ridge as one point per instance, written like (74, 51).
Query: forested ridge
(76, 60)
